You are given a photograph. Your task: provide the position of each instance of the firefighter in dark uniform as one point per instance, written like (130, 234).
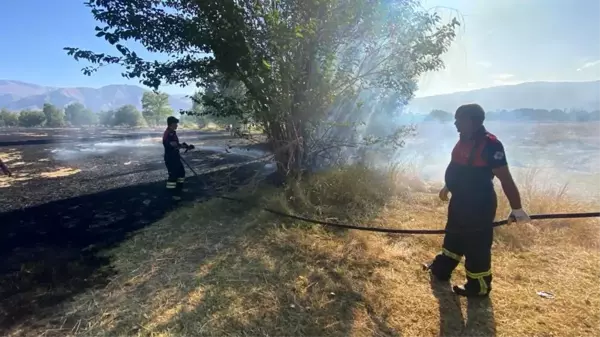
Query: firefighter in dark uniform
(172, 159)
(476, 159)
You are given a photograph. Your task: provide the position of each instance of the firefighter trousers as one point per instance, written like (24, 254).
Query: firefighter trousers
(476, 247)
(176, 174)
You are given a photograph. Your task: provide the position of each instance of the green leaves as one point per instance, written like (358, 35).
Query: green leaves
(77, 115)
(155, 108)
(128, 115)
(286, 64)
(8, 118)
(54, 116)
(31, 118)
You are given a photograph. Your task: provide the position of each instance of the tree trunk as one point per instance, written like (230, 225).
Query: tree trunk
(288, 148)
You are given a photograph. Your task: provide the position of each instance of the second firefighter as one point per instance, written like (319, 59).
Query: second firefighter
(172, 158)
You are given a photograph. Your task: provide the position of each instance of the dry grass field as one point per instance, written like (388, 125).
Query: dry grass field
(219, 268)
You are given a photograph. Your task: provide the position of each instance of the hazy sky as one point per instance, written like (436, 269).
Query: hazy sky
(513, 41)
(499, 42)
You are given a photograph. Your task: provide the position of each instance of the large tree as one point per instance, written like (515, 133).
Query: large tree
(8, 118)
(55, 117)
(106, 117)
(155, 107)
(225, 113)
(78, 115)
(128, 115)
(31, 118)
(288, 64)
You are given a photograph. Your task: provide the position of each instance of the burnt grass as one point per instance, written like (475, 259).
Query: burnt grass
(54, 231)
(39, 136)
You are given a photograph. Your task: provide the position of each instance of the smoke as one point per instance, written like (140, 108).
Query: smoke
(81, 151)
(127, 152)
(238, 151)
(565, 153)
(365, 128)
(568, 151)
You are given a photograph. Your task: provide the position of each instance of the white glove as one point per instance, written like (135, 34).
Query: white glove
(519, 216)
(444, 193)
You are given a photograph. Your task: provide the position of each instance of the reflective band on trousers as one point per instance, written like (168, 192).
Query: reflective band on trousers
(180, 180)
(171, 184)
(483, 287)
(451, 254)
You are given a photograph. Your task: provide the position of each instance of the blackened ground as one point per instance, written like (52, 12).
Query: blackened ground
(32, 136)
(41, 136)
(66, 205)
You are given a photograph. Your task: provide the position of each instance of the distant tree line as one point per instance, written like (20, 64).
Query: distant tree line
(51, 116)
(75, 114)
(155, 110)
(531, 115)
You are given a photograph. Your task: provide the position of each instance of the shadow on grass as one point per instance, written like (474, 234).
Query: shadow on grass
(480, 318)
(222, 268)
(51, 252)
(451, 317)
(480, 314)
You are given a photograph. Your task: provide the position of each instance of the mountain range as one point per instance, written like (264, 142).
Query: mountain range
(16, 95)
(533, 95)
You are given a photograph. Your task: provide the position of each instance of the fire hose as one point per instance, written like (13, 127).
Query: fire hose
(393, 230)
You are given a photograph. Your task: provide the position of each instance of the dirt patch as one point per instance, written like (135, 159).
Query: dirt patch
(31, 134)
(61, 172)
(10, 155)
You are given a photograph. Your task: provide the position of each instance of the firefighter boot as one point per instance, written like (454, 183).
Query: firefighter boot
(179, 187)
(478, 266)
(478, 285)
(434, 278)
(466, 292)
(435, 271)
(443, 265)
(172, 188)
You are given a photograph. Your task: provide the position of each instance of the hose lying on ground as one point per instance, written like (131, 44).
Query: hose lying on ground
(413, 231)
(399, 231)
